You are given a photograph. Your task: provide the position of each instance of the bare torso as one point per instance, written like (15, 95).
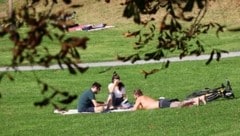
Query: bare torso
(145, 102)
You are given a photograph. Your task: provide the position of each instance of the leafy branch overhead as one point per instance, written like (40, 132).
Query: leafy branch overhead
(56, 98)
(178, 29)
(28, 46)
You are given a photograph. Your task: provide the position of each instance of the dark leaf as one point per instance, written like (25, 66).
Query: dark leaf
(130, 34)
(146, 34)
(67, 1)
(75, 53)
(137, 18)
(234, 29)
(218, 56)
(196, 52)
(44, 102)
(35, 1)
(21, 58)
(154, 10)
(2, 33)
(55, 1)
(124, 59)
(146, 74)
(140, 4)
(54, 94)
(107, 1)
(149, 56)
(59, 63)
(76, 6)
(167, 64)
(56, 106)
(183, 54)
(105, 70)
(49, 36)
(188, 19)
(135, 58)
(81, 69)
(65, 93)
(59, 37)
(189, 6)
(120, 58)
(178, 25)
(210, 58)
(129, 10)
(153, 28)
(15, 37)
(206, 28)
(220, 29)
(69, 99)
(200, 4)
(45, 88)
(71, 69)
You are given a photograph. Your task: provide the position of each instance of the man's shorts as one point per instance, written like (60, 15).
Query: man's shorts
(164, 103)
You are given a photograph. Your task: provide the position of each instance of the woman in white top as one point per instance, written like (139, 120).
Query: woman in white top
(117, 92)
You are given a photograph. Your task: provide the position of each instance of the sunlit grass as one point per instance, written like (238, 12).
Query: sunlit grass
(20, 117)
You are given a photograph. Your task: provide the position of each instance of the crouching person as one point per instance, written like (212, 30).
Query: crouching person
(87, 100)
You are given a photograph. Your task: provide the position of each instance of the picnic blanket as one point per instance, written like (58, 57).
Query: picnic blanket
(89, 27)
(75, 111)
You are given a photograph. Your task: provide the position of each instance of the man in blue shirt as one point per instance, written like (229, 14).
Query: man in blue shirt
(87, 101)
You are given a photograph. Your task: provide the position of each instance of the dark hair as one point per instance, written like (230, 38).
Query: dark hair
(116, 76)
(138, 92)
(96, 84)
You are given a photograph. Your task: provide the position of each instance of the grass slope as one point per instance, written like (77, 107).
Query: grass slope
(105, 45)
(18, 116)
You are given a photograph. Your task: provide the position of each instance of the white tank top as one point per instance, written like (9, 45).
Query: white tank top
(118, 93)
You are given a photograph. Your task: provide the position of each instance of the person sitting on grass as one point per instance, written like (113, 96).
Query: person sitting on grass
(146, 102)
(117, 94)
(87, 101)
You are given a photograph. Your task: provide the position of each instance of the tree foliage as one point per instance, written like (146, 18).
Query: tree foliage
(28, 46)
(178, 29)
(172, 35)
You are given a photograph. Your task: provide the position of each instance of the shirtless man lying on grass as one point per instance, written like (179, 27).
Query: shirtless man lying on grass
(146, 102)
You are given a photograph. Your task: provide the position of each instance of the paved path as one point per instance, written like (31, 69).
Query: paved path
(120, 63)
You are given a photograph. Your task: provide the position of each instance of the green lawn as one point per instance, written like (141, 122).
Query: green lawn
(18, 116)
(105, 45)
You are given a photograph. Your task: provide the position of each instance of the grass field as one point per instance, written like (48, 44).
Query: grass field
(19, 116)
(105, 45)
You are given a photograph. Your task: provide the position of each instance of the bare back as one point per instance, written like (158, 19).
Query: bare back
(145, 102)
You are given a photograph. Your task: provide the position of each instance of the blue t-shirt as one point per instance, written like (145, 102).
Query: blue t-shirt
(85, 100)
